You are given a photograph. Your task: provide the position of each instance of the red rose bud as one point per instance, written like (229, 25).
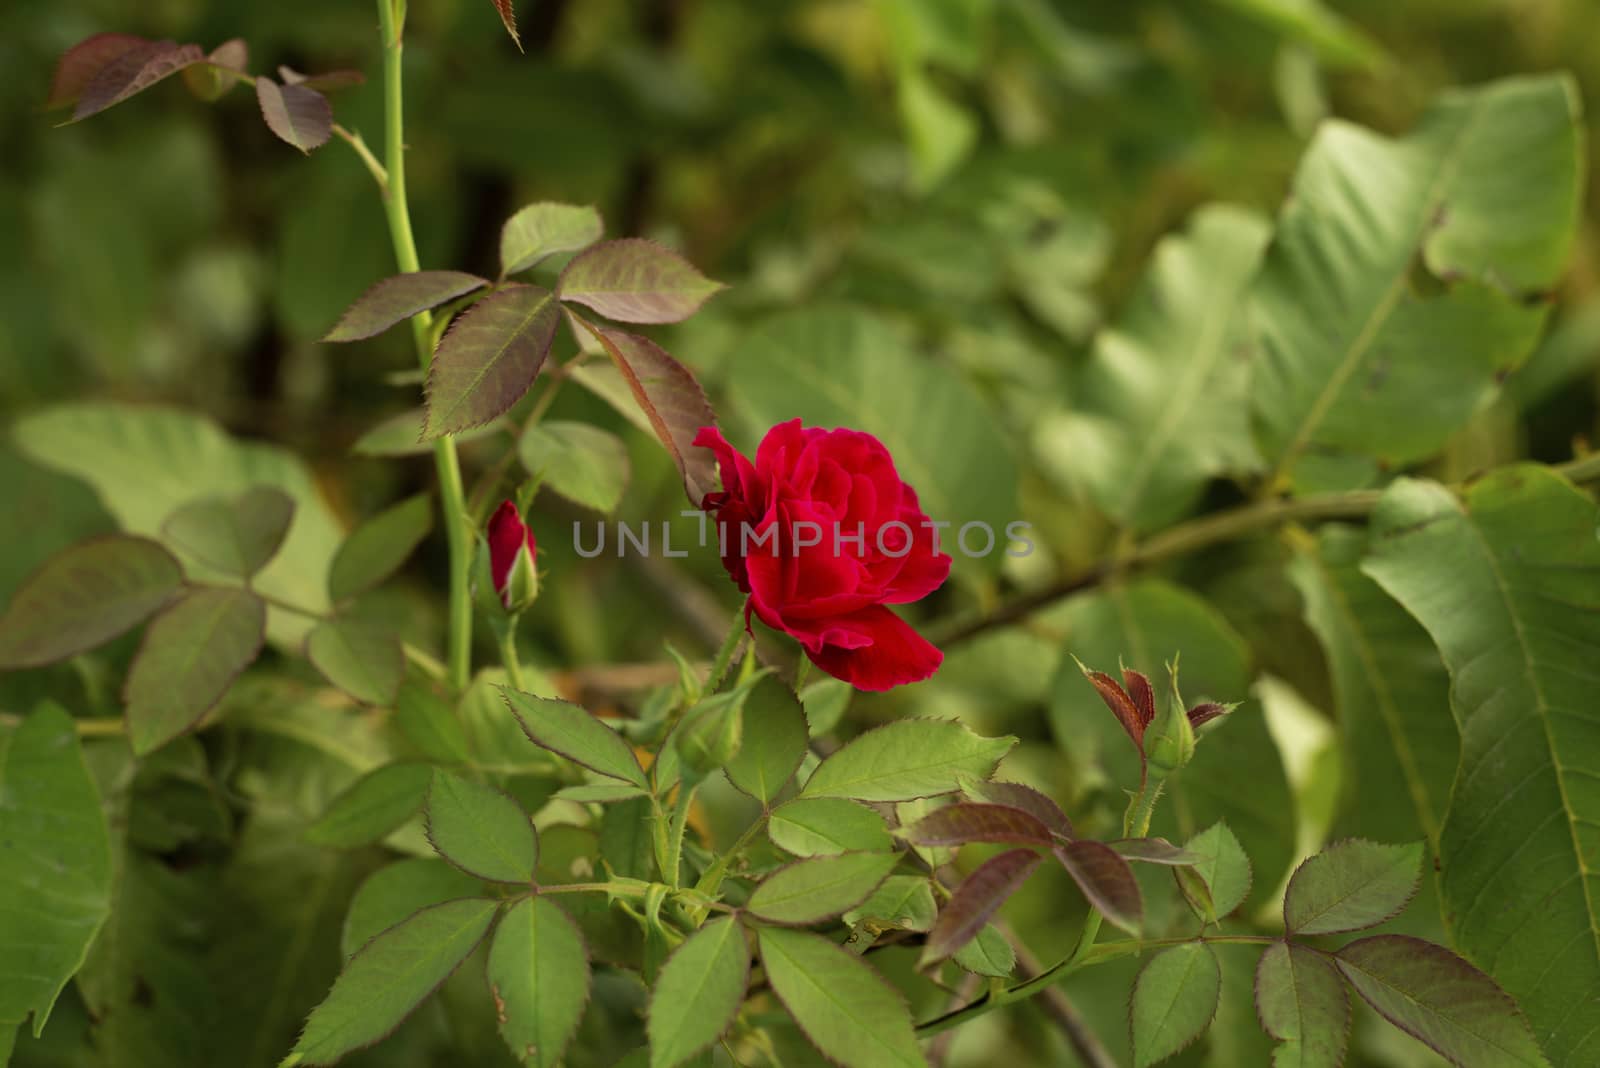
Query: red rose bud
(824, 535)
(511, 555)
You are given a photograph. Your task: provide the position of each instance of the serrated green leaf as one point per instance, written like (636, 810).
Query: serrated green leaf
(1351, 885)
(481, 830)
(905, 760)
(84, 596)
(372, 806)
(390, 976)
(190, 655)
(1174, 999)
(819, 888)
(544, 229)
(237, 535)
(775, 738)
(397, 299)
(988, 954)
(635, 281)
(1348, 341)
(55, 884)
(572, 732)
(401, 435)
(1435, 996)
(398, 890)
(822, 826)
(539, 977)
(1301, 1002)
(489, 357)
(363, 659)
(1223, 870)
(698, 993)
(844, 1007)
(1507, 581)
(582, 463)
(429, 722)
(376, 549)
(903, 902)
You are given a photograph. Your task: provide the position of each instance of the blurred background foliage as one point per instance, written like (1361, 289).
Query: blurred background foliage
(924, 209)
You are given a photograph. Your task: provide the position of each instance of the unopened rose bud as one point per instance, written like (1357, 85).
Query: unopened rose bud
(511, 555)
(1169, 740)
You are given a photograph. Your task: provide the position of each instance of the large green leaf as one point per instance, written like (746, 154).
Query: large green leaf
(539, 977)
(843, 1006)
(236, 535)
(1507, 580)
(1174, 1000)
(544, 229)
(1350, 886)
(481, 830)
(574, 733)
(84, 596)
(818, 888)
(1485, 192)
(397, 890)
(582, 463)
(390, 976)
(773, 740)
(1301, 1002)
(636, 281)
(841, 367)
(1146, 623)
(821, 826)
(1399, 740)
(55, 882)
(698, 992)
(190, 655)
(146, 462)
(905, 760)
(1164, 402)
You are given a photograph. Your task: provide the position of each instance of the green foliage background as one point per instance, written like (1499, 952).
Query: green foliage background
(925, 212)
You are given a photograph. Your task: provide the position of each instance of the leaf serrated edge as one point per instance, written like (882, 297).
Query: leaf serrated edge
(887, 987)
(1133, 993)
(1416, 883)
(588, 970)
(820, 859)
(427, 832)
(428, 433)
(1327, 962)
(739, 932)
(1010, 740)
(642, 782)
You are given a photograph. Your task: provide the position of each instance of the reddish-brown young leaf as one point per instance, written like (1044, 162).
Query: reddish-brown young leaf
(300, 116)
(1117, 699)
(326, 82)
(508, 18)
(489, 357)
(1105, 879)
(671, 398)
(1206, 712)
(133, 71)
(959, 824)
(80, 63)
(1154, 851)
(398, 298)
(1029, 800)
(218, 72)
(633, 280)
(1137, 683)
(976, 900)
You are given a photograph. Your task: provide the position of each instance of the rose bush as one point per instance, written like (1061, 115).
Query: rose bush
(822, 533)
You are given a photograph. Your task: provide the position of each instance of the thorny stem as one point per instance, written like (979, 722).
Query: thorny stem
(508, 655)
(398, 212)
(730, 644)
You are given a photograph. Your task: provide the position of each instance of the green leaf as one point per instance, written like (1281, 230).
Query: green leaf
(698, 993)
(958, 824)
(488, 358)
(1165, 401)
(843, 367)
(363, 659)
(976, 900)
(1507, 581)
(1335, 40)
(55, 883)
(584, 464)
(1223, 872)
(1351, 885)
(844, 1007)
(1174, 999)
(84, 596)
(903, 902)
(1436, 997)
(398, 890)
(390, 976)
(570, 731)
(539, 977)
(190, 655)
(775, 739)
(430, 723)
(144, 463)
(1350, 339)
(544, 229)
(1105, 879)
(819, 888)
(397, 299)
(1399, 742)
(1301, 1002)
(481, 830)
(905, 760)
(298, 114)
(238, 536)
(671, 399)
(1145, 623)
(822, 826)
(401, 435)
(635, 281)
(376, 549)
(372, 806)
(988, 954)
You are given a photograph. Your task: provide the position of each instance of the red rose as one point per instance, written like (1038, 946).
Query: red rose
(512, 550)
(822, 533)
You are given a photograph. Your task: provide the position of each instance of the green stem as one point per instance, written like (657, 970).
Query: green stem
(680, 819)
(724, 657)
(508, 655)
(711, 881)
(398, 212)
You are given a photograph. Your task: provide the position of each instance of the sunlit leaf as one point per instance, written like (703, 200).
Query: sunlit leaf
(819, 826)
(988, 954)
(545, 229)
(397, 299)
(539, 979)
(1223, 873)
(574, 733)
(635, 281)
(582, 463)
(902, 902)
(905, 760)
(489, 357)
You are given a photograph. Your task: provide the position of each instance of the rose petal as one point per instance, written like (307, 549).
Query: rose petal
(894, 653)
